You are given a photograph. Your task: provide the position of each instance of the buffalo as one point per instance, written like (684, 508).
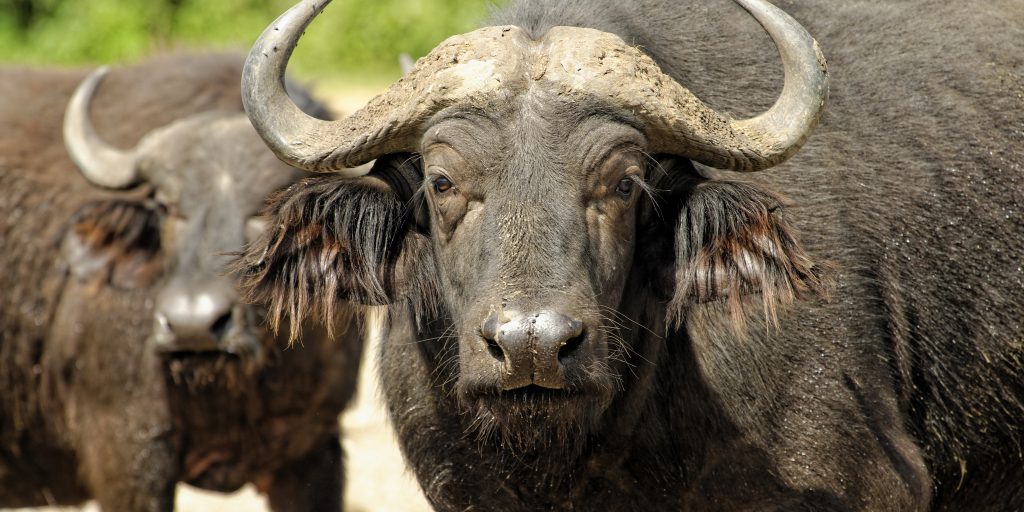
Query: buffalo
(127, 361)
(623, 274)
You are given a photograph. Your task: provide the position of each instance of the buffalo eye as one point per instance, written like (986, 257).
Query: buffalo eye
(442, 184)
(625, 186)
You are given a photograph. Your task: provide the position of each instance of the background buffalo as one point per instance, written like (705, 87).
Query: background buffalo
(127, 363)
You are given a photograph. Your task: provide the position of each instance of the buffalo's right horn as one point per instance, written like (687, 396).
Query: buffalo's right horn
(101, 163)
(465, 69)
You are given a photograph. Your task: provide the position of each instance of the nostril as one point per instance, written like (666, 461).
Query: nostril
(566, 351)
(495, 350)
(221, 325)
(489, 336)
(489, 332)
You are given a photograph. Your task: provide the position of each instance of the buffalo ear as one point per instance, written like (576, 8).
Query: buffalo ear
(733, 241)
(115, 242)
(336, 240)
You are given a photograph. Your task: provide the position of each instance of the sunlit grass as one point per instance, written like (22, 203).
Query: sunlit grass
(353, 41)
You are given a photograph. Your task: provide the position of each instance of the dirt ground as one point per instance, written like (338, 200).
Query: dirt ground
(377, 479)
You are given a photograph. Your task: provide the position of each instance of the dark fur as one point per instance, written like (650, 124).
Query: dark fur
(902, 392)
(88, 409)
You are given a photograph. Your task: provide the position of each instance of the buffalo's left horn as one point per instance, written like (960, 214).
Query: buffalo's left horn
(101, 163)
(690, 128)
(787, 124)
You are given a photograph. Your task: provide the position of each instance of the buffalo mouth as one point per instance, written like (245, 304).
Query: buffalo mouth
(240, 332)
(533, 417)
(534, 394)
(533, 400)
(544, 404)
(240, 346)
(530, 396)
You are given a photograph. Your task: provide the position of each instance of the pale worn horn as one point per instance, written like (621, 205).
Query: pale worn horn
(594, 64)
(778, 133)
(464, 69)
(100, 163)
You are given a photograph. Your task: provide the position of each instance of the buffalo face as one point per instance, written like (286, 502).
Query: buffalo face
(533, 226)
(203, 180)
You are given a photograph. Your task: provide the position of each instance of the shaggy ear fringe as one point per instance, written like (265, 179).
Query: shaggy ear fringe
(733, 242)
(117, 240)
(333, 240)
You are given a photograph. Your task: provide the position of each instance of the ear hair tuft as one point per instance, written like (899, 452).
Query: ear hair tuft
(334, 240)
(733, 242)
(116, 241)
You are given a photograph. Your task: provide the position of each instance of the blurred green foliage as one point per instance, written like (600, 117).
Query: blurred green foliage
(351, 35)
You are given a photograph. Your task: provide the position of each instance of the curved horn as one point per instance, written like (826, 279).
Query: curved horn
(100, 163)
(770, 138)
(590, 63)
(463, 68)
(784, 128)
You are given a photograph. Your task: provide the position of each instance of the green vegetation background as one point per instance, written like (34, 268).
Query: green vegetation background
(352, 38)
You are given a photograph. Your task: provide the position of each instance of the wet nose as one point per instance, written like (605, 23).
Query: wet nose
(533, 348)
(194, 316)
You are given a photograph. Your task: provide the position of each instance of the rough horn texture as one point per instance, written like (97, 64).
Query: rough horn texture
(498, 64)
(102, 164)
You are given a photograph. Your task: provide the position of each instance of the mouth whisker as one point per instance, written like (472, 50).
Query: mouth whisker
(624, 317)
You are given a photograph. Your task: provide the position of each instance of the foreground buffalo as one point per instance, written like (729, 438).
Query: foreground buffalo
(587, 316)
(127, 363)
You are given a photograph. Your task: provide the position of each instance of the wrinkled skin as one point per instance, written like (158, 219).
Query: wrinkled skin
(99, 400)
(498, 258)
(852, 345)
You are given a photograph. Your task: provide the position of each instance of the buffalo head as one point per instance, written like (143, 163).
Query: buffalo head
(204, 179)
(537, 195)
